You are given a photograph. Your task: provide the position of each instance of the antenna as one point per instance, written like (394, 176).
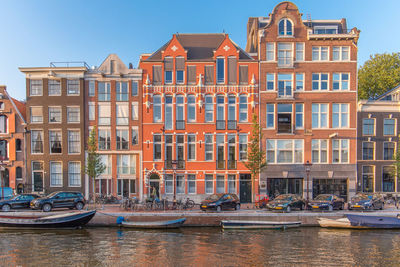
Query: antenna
(309, 22)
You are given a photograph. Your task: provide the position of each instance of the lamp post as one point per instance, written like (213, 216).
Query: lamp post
(307, 167)
(174, 165)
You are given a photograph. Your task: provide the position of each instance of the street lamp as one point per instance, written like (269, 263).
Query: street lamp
(174, 165)
(307, 167)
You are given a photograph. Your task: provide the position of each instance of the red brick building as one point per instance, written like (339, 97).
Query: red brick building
(200, 92)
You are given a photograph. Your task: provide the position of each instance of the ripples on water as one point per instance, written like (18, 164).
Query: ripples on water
(199, 247)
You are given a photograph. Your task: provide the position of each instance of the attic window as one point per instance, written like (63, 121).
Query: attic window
(285, 27)
(325, 29)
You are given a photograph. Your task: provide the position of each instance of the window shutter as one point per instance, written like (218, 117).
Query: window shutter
(157, 75)
(11, 123)
(168, 64)
(36, 111)
(191, 74)
(209, 75)
(243, 74)
(232, 63)
(180, 63)
(11, 153)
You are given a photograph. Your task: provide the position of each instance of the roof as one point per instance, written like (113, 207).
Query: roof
(20, 106)
(200, 47)
(382, 96)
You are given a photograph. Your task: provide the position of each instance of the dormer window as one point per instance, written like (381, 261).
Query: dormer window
(285, 27)
(325, 29)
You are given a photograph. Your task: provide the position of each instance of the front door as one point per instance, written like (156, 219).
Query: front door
(154, 181)
(245, 188)
(38, 181)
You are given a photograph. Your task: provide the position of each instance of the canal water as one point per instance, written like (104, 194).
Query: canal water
(199, 247)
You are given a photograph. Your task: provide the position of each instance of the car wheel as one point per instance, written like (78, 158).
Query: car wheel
(219, 208)
(79, 206)
(288, 209)
(46, 207)
(330, 208)
(6, 207)
(237, 207)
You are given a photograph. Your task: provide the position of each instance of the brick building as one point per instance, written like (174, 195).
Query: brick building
(200, 92)
(308, 101)
(12, 141)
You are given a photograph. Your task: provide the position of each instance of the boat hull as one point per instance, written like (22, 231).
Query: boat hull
(340, 223)
(154, 225)
(371, 221)
(231, 224)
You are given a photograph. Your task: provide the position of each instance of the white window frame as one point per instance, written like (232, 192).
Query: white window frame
(135, 111)
(341, 82)
(191, 143)
(191, 182)
(71, 82)
(92, 111)
(340, 115)
(31, 118)
(267, 76)
(50, 141)
(374, 127)
(285, 30)
(52, 184)
(218, 71)
(52, 85)
(40, 131)
(293, 150)
(191, 105)
(37, 87)
(69, 142)
(135, 129)
(119, 94)
(319, 142)
(69, 111)
(243, 147)
(341, 50)
(319, 113)
(299, 113)
(107, 120)
(269, 113)
(92, 89)
(159, 105)
(340, 141)
(70, 184)
(207, 182)
(270, 49)
(287, 59)
(286, 82)
(122, 120)
(394, 125)
(320, 81)
(318, 52)
(207, 108)
(60, 109)
(299, 81)
(210, 144)
(300, 51)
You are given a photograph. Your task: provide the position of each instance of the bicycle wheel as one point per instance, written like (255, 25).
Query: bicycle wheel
(190, 204)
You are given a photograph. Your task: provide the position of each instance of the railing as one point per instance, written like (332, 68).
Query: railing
(231, 164)
(180, 125)
(232, 124)
(220, 164)
(220, 125)
(69, 64)
(180, 164)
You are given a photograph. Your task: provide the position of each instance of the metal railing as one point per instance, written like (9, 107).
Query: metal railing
(69, 64)
(220, 125)
(180, 164)
(232, 124)
(220, 164)
(231, 164)
(180, 125)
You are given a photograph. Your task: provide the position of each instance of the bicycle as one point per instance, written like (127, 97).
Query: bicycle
(188, 204)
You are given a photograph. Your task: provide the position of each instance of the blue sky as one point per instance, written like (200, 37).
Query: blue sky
(34, 33)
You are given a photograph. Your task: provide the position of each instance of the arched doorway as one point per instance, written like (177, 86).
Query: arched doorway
(154, 181)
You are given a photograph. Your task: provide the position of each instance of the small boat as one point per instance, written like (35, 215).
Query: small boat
(236, 224)
(372, 221)
(63, 220)
(153, 224)
(338, 223)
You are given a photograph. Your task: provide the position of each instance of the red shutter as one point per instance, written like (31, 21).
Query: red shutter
(11, 148)
(11, 123)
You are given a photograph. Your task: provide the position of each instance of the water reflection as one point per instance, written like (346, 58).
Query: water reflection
(199, 247)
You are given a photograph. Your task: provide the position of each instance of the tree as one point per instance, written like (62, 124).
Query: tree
(255, 155)
(396, 164)
(378, 74)
(94, 167)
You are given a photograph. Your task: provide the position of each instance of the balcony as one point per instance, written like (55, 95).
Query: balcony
(231, 164)
(180, 125)
(220, 164)
(232, 124)
(169, 166)
(220, 125)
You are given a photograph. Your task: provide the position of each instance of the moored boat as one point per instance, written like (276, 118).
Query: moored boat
(63, 220)
(373, 221)
(337, 223)
(152, 224)
(239, 224)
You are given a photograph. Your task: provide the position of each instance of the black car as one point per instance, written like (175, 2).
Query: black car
(286, 202)
(17, 202)
(220, 202)
(326, 202)
(366, 201)
(59, 200)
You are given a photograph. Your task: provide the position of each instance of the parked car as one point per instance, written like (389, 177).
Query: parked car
(286, 202)
(366, 201)
(17, 202)
(59, 200)
(326, 202)
(220, 202)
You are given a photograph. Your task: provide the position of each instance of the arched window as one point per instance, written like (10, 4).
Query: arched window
(285, 27)
(18, 172)
(18, 145)
(3, 124)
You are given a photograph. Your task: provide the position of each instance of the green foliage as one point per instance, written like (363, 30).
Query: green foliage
(378, 74)
(396, 164)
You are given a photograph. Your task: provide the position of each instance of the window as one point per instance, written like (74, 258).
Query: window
(92, 89)
(285, 56)
(122, 113)
(54, 114)
(284, 118)
(54, 87)
(320, 53)
(157, 147)
(285, 85)
(208, 74)
(135, 88)
(231, 112)
(55, 174)
(325, 30)
(270, 81)
(106, 160)
(135, 135)
(191, 147)
(180, 184)
(180, 150)
(340, 151)
(220, 151)
(104, 139)
(299, 81)
(74, 142)
(135, 111)
(285, 151)
(126, 164)
(341, 53)
(157, 108)
(74, 173)
(37, 175)
(179, 76)
(125, 187)
(104, 114)
(36, 142)
(209, 147)
(220, 70)
(191, 183)
(220, 184)
(220, 108)
(299, 51)
(122, 139)
(368, 127)
(243, 147)
(73, 114)
(18, 173)
(169, 184)
(1, 105)
(388, 150)
(4, 148)
(36, 87)
(243, 74)
(340, 115)
(92, 111)
(368, 150)
(104, 90)
(180, 107)
(168, 113)
(157, 73)
(319, 115)
(270, 116)
(243, 108)
(340, 81)
(209, 109)
(55, 142)
(299, 116)
(18, 145)
(319, 153)
(270, 51)
(389, 126)
(191, 74)
(231, 151)
(168, 151)
(168, 77)
(209, 184)
(320, 81)
(388, 179)
(72, 87)
(232, 183)
(367, 178)
(168, 67)
(36, 114)
(191, 108)
(122, 93)
(285, 27)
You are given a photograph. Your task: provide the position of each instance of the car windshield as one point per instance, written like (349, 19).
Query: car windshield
(15, 197)
(213, 197)
(359, 197)
(323, 197)
(283, 197)
(52, 194)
